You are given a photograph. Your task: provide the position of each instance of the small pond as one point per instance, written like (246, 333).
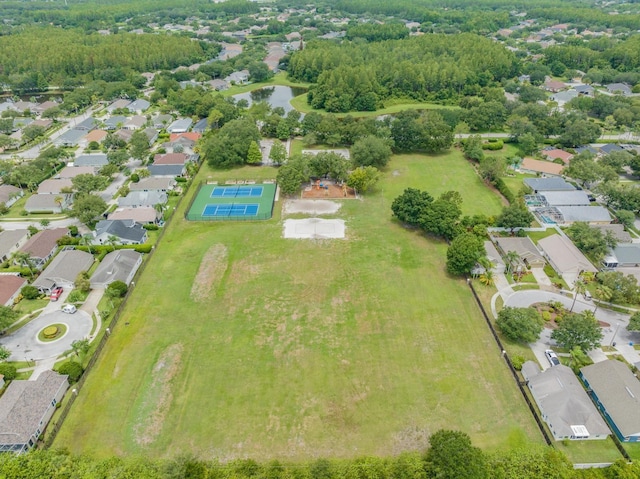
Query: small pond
(275, 96)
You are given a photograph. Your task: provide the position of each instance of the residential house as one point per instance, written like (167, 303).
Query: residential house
(530, 165)
(584, 90)
(63, 270)
(43, 245)
(96, 136)
(10, 286)
(151, 134)
(54, 186)
(124, 135)
(587, 214)
(586, 148)
(87, 124)
(26, 408)
(138, 106)
(114, 122)
(151, 183)
(170, 159)
(119, 104)
(40, 108)
(9, 194)
(70, 138)
(494, 257)
(616, 392)
(69, 172)
(218, 84)
(556, 153)
(167, 170)
(553, 183)
(95, 160)
(344, 152)
(201, 126)
(20, 123)
(135, 123)
(527, 252)
(619, 89)
(623, 255)
(44, 123)
(189, 84)
(564, 97)
(565, 258)
(161, 121)
(238, 78)
(180, 125)
(23, 106)
(564, 404)
(554, 86)
(190, 135)
(47, 203)
(609, 148)
(11, 241)
(563, 198)
(120, 231)
(119, 265)
(136, 199)
(143, 215)
(616, 230)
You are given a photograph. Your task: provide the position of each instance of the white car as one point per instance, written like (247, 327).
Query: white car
(69, 309)
(552, 357)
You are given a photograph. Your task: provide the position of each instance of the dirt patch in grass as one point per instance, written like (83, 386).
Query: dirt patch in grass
(411, 438)
(314, 207)
(158, 397)
(212, 267)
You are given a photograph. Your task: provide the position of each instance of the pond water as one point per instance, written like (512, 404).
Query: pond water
(275, 96)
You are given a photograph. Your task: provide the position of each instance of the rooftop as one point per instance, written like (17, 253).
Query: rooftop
(43, 242)
(564, 254)
(548, 184)
(65, 267)
(116, 266)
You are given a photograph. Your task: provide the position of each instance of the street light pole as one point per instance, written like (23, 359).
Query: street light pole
(614, 334)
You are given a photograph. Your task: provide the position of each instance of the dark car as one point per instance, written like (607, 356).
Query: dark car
(56, 293)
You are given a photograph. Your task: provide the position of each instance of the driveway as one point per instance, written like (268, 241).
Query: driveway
(25, 345)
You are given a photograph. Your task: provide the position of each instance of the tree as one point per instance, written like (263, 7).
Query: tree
(491, 168)
(362, 179)
(4, 353)
(82, 282)
(80, 346)
(371, 151)
(520, 324)
(578, 329)
(259, 71)
(463, 253)
(514, 216)
(624, 288)
(409, 206)
(72, 369)
(88, 183)
(30, 292)
(602, 293)
(7, 317)
(44, 223)
(53, 113)
(230, 145)
(139, 145)
(254, 155)
(292, 174)
(452, 456)
(9, 371)
(634, 322)
(441, 218)
(586, 170)
(25, 260)
(511, 257)
(117, 157)
(117, 289)
(31, 132)
(579, 287)
(87, 208)
(579, 132)
(278, 153)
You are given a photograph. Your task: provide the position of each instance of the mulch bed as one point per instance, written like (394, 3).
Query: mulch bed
(329, 190)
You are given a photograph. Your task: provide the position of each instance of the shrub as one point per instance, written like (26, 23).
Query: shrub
(135, 178)
(150, 227)
(546, 315)
(504, 190)
(117, 289)
(75, 296)
(143, 248)
(30, 292)
(72, 369)
(8, 371)
(493, 146)
(518, 361)
(73, 230)
(181, 179)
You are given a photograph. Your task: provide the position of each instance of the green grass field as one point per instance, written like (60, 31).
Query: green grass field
(298, 349)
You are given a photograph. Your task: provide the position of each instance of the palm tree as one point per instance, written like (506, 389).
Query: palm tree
(578, 288)
(486, 278)
(602, 293)
(511, 257)
(113, 241)
(85, 240)
(25, 260)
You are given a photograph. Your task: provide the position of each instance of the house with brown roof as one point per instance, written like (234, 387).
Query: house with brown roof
(10, 286)
(54, 186)
(26, 408)
(556, 153)
(143, 215)
(190, 135)
(47, 203)
(69, 172)
(135, 123)
(554, 86)
(43, 245)
(170, 159)
(94, 135)
(530, 165)
(565, 258)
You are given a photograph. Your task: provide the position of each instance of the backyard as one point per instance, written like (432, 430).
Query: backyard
(238, 343)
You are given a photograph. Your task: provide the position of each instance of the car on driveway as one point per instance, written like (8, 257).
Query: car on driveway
(69, 309)
(552, 357)
(56, 293)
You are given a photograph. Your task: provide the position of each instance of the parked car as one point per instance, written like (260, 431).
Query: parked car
(587, 296)
(552, 357)
(56, 293)
(69, 309)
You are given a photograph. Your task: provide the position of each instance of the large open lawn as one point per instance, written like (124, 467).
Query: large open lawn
(297, 349)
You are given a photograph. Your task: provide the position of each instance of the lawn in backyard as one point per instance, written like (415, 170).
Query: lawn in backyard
(238, 343)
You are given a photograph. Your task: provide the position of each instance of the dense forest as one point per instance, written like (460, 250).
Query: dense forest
(357, 76)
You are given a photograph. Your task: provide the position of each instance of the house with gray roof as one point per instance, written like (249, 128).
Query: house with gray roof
(63, 270)
(119, 265)
(527, 251)
(161, 121)
(565, 258)
(585, 90)
(9, 194)
(587, 214)
(47, 203)
(122, 231)
(565, 198)
(563, 97)
(167, 170)
(180, 125)
(152, 183)
(136, 199)
(70, 138)
(119, 104)
(564, 404)
(54, 186)
(239, 78)
(114, 122)
(87, 124)
(135, 122)
(138, 106)
(623, 255)
(43, 245)
(152, 134)
(69, 172)
(609, 148)
(619, 89)
(10, 286)
(616, 230)
(201, 126)
(616, 392)
(26, 408)
(96, 160)
(11, 241)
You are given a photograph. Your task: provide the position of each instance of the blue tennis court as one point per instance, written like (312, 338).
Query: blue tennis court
(230, 210)
(236, 191)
